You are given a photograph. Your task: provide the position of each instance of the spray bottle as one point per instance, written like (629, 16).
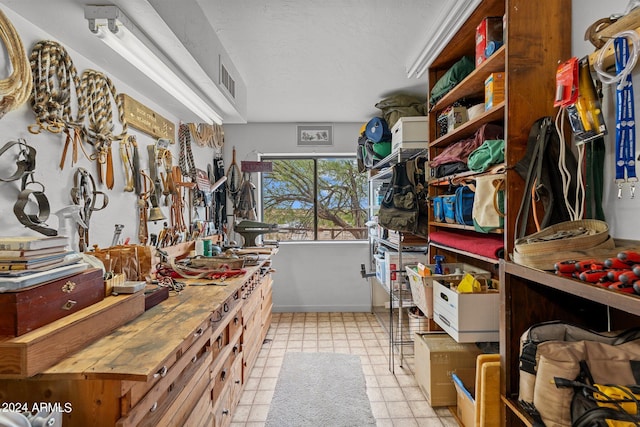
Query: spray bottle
(66, 216)
(438, 268)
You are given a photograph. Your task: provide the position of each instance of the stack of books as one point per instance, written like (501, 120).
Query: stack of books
(27, 260)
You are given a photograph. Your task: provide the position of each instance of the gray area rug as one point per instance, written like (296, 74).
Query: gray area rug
(320, 389)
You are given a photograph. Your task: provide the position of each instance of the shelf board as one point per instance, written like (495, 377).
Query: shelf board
(466, 253)
(513, 405)
(473, 84)
(460, 227)
(446, 180)
(398, 157)
(469, 128)
(620, 300)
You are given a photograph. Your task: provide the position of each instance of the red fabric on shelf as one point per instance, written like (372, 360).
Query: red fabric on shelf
(487, 245)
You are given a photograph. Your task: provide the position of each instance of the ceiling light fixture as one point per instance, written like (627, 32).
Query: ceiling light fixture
(111, 26)
(451, 19)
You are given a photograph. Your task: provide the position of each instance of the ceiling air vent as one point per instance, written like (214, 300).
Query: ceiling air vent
(227, 81)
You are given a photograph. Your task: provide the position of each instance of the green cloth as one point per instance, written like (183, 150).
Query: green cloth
(491, 152)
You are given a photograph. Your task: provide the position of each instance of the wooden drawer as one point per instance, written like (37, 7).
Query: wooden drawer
(229, 396)
(188, 347)
(193, 390)
(222, 371)
(235, 325)
(222, 409)
(27, 309)
(236, 383)
(219, 342)
(189, 370)
(202, 413)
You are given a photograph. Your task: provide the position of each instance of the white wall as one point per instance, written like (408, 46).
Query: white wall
(621, 214)
(122, 205)
(311, 276)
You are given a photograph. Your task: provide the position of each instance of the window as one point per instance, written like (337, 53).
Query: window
(315, 198)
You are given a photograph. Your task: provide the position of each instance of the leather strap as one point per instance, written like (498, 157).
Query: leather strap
(84, 193)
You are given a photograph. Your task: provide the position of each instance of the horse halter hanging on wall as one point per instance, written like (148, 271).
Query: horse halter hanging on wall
(84, 193)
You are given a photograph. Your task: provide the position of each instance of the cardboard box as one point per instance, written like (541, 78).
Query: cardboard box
(489, 30)
(391, 264)
(493, 90)
(464, 381)
(478, 392)
(467, 317)
(437, 356)
(410, 132)
(456, 117)
(422, 285)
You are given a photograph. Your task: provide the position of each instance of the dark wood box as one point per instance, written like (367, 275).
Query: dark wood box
(26, 309)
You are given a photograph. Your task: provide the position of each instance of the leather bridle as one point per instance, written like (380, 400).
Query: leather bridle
(84, 193)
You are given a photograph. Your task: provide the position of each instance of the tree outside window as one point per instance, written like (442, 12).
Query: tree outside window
(315, 198)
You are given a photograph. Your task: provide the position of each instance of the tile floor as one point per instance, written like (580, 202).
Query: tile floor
(396, 400)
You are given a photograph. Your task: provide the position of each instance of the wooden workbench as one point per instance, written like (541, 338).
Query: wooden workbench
(183, 362)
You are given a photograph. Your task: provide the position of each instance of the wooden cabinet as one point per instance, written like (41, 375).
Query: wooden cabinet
(179, 363)
(531, 296)
(537, 35)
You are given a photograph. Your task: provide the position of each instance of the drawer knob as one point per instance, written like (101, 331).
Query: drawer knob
(237, 381)
(68, 287)
(69, 305)
(225, 412)
(198, 333)
(154, 407)
(195, 358)
(223, 375)
(161, 372)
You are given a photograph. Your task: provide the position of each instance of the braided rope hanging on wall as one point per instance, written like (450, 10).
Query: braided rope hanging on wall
(54, 79)
(99, 91)
(185, 160)
(16, 88)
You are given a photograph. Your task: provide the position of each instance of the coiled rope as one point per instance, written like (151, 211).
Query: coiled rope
(15, 89)
(207, 135)
(54, 77)
(99, 91)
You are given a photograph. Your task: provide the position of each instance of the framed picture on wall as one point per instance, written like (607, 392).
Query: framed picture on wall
(309, 135)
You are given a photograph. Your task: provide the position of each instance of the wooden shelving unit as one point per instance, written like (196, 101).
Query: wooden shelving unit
(537, 36)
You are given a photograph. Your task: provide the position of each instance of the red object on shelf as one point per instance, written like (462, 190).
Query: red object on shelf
(487, 245)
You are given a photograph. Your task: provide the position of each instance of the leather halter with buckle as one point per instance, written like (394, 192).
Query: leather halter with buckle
(84, 193)
(25, 166)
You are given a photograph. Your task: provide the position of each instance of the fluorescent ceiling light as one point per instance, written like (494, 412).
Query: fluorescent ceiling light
(455, 13)
(118, 32)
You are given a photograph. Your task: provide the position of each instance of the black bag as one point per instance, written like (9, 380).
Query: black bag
(601, 405)
(539, 168)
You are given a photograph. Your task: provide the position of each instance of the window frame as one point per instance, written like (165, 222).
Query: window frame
(267, 157)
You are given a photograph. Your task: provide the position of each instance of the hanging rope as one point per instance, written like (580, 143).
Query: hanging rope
(54, 78)
(16, 88)
(202, 134)
(99, 91)
(185, 160)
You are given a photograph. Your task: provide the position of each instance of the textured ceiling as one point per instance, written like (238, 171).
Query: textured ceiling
(310, 61)
(301, 60)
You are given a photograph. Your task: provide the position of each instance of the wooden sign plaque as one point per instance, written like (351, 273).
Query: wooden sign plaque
(145, 119)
